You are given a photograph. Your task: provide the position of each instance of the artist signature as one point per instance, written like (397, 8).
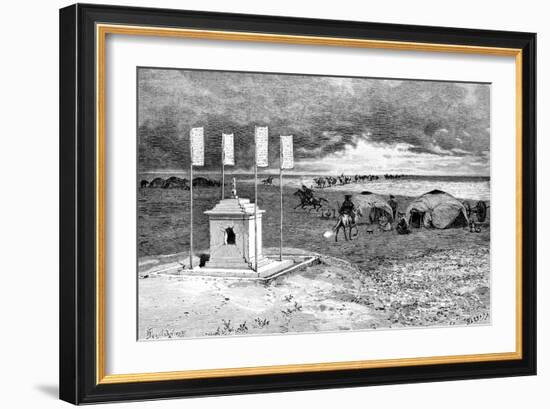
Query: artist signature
(474, 319)
(477, 318)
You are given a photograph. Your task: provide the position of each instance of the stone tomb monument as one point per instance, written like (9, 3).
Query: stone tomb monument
(233, 242)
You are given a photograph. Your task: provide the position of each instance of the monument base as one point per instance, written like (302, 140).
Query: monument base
(266, 269)
(271, 269)
(274, 268)
(238, 263)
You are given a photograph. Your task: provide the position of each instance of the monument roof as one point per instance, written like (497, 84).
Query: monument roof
(233, 207)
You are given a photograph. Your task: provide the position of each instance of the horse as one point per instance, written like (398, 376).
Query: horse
(309, 201)
(346, 221)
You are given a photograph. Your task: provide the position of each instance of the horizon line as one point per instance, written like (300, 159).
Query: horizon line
(289, 172)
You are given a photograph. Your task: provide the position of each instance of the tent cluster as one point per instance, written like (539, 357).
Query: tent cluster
(372, 207)
(432, 209)
(436, 209)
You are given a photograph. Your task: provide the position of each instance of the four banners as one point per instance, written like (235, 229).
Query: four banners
(261, 140)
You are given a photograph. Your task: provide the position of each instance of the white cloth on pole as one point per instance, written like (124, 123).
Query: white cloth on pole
(261, 137)
(287, 152)
(197, 146)
(228, 149)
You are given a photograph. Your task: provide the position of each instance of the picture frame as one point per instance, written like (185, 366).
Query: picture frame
(83, 218)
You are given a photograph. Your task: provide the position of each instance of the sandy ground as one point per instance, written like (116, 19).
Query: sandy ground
(380, 280)
(442, 288)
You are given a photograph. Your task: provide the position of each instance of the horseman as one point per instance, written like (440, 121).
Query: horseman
(308, 193)
(348, 208)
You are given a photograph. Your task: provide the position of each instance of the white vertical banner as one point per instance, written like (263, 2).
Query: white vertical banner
(228, 149)
(287, 152)
(197, 146)
(261, 137)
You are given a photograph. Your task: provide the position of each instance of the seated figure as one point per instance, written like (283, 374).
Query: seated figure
(402, 227)
(384, 223)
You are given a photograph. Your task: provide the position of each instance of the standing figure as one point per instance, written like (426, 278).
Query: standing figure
(393, 204)
(234, 190)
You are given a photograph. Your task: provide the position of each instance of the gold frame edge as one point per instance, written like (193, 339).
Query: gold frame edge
(101, 32)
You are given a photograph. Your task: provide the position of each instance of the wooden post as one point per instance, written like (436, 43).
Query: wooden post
(191, 213)
(223, 169)
(286, 161)
(281, 204)
(255, 210)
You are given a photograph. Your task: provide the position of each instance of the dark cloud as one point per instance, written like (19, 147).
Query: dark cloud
(324, 114)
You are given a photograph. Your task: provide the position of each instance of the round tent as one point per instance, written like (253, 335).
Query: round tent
(436, 209)
(372, 206)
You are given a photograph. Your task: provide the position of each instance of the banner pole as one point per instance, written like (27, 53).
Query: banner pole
(223, 168)
(255, 207)
(281, 203)
(191, 214)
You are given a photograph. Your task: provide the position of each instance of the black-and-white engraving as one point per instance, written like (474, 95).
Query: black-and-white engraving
(284, 203)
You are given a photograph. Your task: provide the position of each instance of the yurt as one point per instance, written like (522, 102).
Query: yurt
(372, 206)
(436, 209)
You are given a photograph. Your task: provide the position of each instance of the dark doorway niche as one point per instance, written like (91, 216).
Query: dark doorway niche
(417, 219)
(230, 235)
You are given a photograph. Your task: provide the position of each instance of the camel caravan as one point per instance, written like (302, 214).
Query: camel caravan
(329, 181)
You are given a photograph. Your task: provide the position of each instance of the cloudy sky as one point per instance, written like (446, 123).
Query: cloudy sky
(350, 125)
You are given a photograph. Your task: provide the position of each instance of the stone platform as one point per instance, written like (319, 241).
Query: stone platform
(272, 269)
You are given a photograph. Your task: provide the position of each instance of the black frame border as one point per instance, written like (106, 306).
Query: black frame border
(77, 255)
